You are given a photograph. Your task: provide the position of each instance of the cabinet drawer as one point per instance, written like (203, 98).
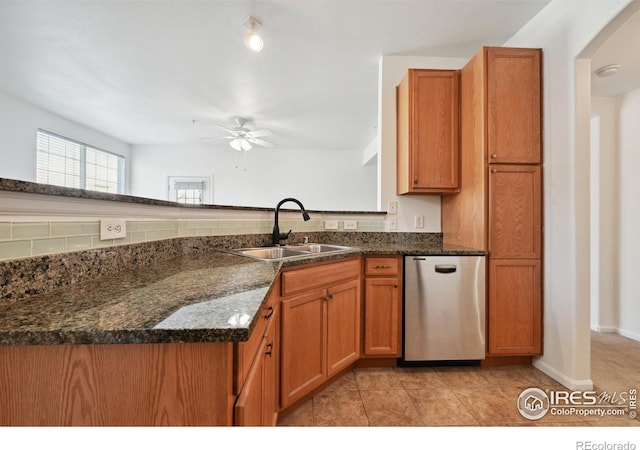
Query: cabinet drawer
(382, 266)
(308, 278)
(246, 351)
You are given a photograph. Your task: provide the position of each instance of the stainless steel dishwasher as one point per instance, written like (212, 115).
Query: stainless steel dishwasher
(444, 308)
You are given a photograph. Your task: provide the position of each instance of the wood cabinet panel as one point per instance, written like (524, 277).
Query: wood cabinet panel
(515, 211)
(343, 326)
(249, 407)
(117, 385)
(297, 280)
(513, 105)
(382, 317)
(302, 351)
(271, 375)
(381, 266)
(515, 307)
(246, 351)
(428, 132)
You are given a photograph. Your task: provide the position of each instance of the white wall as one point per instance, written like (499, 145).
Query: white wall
(563, 29)
(604, 214)
(629, 223)
(392, 70)
(323, 180)
(19, 122)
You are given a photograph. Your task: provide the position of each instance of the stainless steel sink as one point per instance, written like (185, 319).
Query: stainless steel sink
(292, 251)
(318, 248)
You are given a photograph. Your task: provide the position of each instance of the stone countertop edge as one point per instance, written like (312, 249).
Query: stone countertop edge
(223, 317)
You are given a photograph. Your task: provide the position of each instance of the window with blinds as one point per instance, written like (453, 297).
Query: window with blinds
(65, 162)
(190, 190)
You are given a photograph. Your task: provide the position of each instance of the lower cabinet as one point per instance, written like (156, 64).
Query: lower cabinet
(515, 307)
(320, 326)
(257, 404)
(382, 306)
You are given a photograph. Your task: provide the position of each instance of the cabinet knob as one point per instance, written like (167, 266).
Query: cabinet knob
(494, 156)
(395, 285)
(328, 297)
(494, 170)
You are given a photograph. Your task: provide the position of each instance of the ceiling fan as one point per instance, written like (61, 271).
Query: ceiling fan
(240, 137)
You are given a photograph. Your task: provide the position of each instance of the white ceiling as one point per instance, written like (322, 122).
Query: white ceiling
(623, 48)
(142, 71)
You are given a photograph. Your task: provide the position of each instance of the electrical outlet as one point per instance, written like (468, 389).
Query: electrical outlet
(350, 224)
(393, 223)
(113, 229)
(393, 207)
(330, 224)
(419, 221)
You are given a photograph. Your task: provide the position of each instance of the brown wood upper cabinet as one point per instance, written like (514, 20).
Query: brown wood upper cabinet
(513, 105)
(428, 113)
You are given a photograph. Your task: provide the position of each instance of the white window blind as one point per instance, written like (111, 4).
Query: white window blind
(64, 162)
(189, 190)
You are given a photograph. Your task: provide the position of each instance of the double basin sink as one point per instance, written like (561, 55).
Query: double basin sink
(289, 251)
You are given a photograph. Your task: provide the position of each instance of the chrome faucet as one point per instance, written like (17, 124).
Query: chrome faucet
(277, 237)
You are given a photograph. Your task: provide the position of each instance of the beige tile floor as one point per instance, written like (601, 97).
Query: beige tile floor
(461, 396)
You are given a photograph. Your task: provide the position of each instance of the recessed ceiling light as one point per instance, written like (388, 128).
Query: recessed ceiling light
(607, 71)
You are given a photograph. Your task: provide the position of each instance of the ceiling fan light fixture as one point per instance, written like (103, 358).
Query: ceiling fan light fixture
(240, 144)
(253, 40)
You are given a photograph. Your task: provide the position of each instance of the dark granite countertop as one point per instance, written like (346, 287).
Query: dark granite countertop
(206, 297)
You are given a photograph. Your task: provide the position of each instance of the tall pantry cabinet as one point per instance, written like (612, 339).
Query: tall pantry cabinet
(499, 207)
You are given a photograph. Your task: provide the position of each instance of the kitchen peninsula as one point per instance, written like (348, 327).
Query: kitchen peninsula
(169, 342)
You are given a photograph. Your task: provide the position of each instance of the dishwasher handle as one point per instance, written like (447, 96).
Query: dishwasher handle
(446, 268)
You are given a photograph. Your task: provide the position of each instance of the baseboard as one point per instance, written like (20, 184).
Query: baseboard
(569, 383)
(601, 329)
(629, 334)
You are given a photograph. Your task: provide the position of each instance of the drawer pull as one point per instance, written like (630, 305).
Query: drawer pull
(384, 266)
(269, 314)
(269, 349)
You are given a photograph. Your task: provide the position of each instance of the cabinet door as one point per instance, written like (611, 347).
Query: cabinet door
(515, 211)
(513, 105)
(382, 317)
(249, 406)
(428, 132)
(515, 307)
(343, 326)
(302, 352)
(271, 372)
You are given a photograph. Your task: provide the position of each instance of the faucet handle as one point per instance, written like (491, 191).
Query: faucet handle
(282, 237)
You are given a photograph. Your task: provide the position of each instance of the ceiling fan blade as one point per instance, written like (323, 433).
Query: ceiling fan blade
(260, 142)
(259, 133)
(207, 138)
